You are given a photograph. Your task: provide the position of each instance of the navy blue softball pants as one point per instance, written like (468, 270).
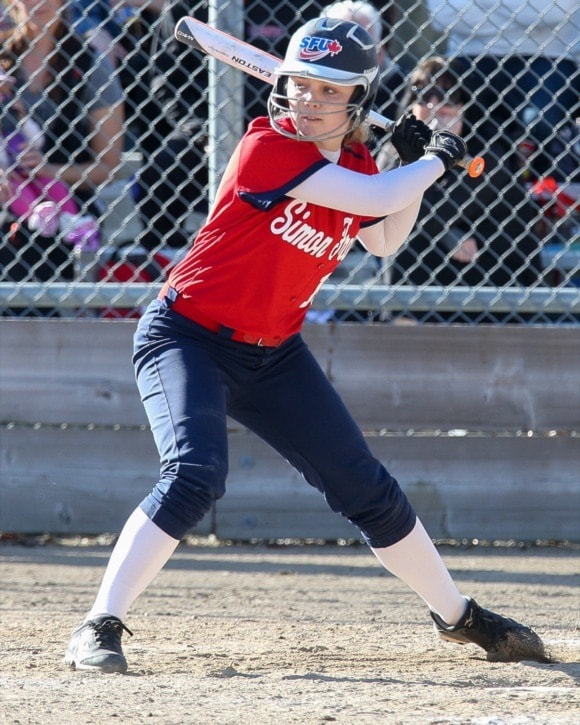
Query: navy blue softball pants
(190, 379)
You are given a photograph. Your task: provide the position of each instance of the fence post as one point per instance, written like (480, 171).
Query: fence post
(226, 94)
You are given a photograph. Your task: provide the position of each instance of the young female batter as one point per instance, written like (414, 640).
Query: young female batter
(223, 338)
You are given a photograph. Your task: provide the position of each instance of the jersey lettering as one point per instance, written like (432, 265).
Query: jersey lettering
(307, 303)
(341, 249)
(295, 244)
(295, 231)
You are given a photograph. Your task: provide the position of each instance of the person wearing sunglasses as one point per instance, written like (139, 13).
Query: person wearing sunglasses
(473, 231)
(521, 62)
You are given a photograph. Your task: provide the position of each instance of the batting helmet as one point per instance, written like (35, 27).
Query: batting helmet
(337, 51)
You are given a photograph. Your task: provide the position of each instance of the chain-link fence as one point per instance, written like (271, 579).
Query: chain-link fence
(113, 146)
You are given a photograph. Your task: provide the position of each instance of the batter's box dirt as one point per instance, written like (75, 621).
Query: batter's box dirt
(256, 635)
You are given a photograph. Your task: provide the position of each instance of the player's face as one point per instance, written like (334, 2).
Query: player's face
(320, 110)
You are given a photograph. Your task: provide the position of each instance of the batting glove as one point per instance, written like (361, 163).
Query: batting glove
(448, 147)
(410, 136)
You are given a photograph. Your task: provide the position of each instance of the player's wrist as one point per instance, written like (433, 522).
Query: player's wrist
(435, 157)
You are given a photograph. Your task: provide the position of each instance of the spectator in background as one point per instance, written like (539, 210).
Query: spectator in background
(171, 188)
(165, 103)
(392, 76)
(42, 203)
(472, 231)
(268, 28)
(123, 31)
(520, 64)
(78, 105)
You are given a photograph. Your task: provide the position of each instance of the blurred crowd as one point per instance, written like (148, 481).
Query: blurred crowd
(86, 84)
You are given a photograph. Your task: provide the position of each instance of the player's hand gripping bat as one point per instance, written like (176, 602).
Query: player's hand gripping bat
(260, 64)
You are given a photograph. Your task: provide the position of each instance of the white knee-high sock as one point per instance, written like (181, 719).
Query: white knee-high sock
(416, 562)
(140, 553)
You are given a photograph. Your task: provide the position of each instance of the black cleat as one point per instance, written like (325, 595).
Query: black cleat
(96, 645)
(504, 640)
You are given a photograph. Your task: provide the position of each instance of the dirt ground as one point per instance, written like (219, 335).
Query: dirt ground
(258, 634)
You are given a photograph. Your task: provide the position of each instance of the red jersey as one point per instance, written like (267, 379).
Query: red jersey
(259, 260)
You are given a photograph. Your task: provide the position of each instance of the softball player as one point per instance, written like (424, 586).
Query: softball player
(223, 338)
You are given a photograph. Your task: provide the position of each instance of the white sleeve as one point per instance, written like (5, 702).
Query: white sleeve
(383, 239)
(394, 197)
(373, 195)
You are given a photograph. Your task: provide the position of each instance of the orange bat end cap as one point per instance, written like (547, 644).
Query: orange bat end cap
(476, 167)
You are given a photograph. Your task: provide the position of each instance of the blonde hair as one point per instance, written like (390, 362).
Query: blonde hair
(13, 29)
(360, 134)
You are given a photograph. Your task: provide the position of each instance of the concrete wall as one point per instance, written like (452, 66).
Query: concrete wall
(480, 425)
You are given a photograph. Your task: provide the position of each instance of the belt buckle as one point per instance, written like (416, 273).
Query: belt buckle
(260, 342)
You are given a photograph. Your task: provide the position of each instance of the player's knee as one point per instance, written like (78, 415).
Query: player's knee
(386, 517)
(184, 496)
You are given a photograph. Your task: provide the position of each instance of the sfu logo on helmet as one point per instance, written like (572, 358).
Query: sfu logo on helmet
(313, 47)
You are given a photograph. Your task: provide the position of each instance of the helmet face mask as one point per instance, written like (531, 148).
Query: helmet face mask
(338, 52)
